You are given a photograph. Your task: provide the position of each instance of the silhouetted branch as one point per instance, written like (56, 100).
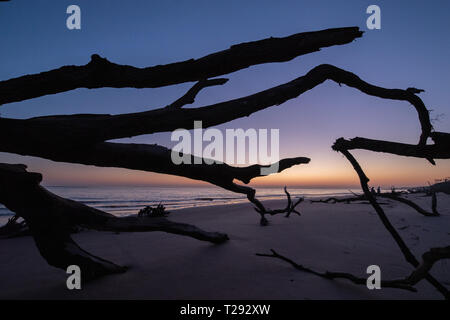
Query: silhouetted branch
(434, 204)
(381, 195)
(409, 256)
(410, 203)
(13, 228)
(85, 128)
(260, 208)
(439, 150)
(339, 200)
(398, 284)
(189, 97)
(99, 72)
(429, 258)
(290, 206)
(51, 219)
(153, 158)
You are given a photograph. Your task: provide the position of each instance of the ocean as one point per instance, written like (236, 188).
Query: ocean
(122, 201)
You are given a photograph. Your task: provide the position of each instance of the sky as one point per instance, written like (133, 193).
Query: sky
(410, 50)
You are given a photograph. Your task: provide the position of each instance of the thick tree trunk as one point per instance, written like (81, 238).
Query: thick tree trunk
(52, 218)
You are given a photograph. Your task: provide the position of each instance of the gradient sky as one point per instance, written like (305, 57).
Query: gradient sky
(411, 49)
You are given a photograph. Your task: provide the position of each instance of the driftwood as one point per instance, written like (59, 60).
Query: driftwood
(101, 73)
(338, 275)
(14, 228)
(83, 139)
(421, 268)
(438, 150)
(51, 219)
(409, 256)
(89, 129)
(391, 196)
(429, 258)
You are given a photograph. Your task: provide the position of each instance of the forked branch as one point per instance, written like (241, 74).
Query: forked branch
(100, 72)
(429, 258)
(51, 219)
(85, 128)
(398, 284)
(409, 256)
(189, 97)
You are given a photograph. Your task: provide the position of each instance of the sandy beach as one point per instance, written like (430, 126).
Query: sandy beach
(334, 237)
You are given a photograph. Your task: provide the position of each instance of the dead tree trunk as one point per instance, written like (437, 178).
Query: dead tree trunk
(83, 138)
(52, 218)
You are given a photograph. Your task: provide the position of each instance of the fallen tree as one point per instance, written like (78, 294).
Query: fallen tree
(429, 258)
(101, 73)
(83, 139)
(387, 195)
(51, 219)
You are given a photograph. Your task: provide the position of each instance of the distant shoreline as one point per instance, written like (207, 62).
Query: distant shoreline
(123, 201)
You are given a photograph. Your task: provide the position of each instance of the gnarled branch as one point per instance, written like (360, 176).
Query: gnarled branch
(189, 97)
(409, 256)
(439, 150)
(152, 158)
(390, 196)
(398, 284)
(99, 72)
(51, 218)
(84, 128)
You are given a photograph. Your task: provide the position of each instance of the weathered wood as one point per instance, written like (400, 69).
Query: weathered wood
(152, 158)
(331, 275)
(51, 219)
(429, 258)
(99, 72)
(438, 150)
(93, 128)
(408, 255)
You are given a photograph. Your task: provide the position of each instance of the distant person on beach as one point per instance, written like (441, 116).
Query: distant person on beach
(372, 190)
(378, 190)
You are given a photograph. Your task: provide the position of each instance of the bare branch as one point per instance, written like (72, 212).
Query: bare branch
(99, 72)
(398, 284)
(84, 128)
(189, 97)
(152, 158)
(50, 219)
(439, 150)
(409, 256)
(391, 196)
(429, 258)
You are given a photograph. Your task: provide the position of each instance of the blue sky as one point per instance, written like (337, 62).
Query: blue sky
(411, 49)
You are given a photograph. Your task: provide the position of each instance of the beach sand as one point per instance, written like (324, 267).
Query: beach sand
(335, 237)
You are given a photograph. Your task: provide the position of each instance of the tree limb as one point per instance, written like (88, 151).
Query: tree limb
(429, 258)
(398, 284)
(51, 218)
(409, 256)
(391, 196)
(84, 128)
(189, 96)
(152, 158)
(99, 72)
(439, 150)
